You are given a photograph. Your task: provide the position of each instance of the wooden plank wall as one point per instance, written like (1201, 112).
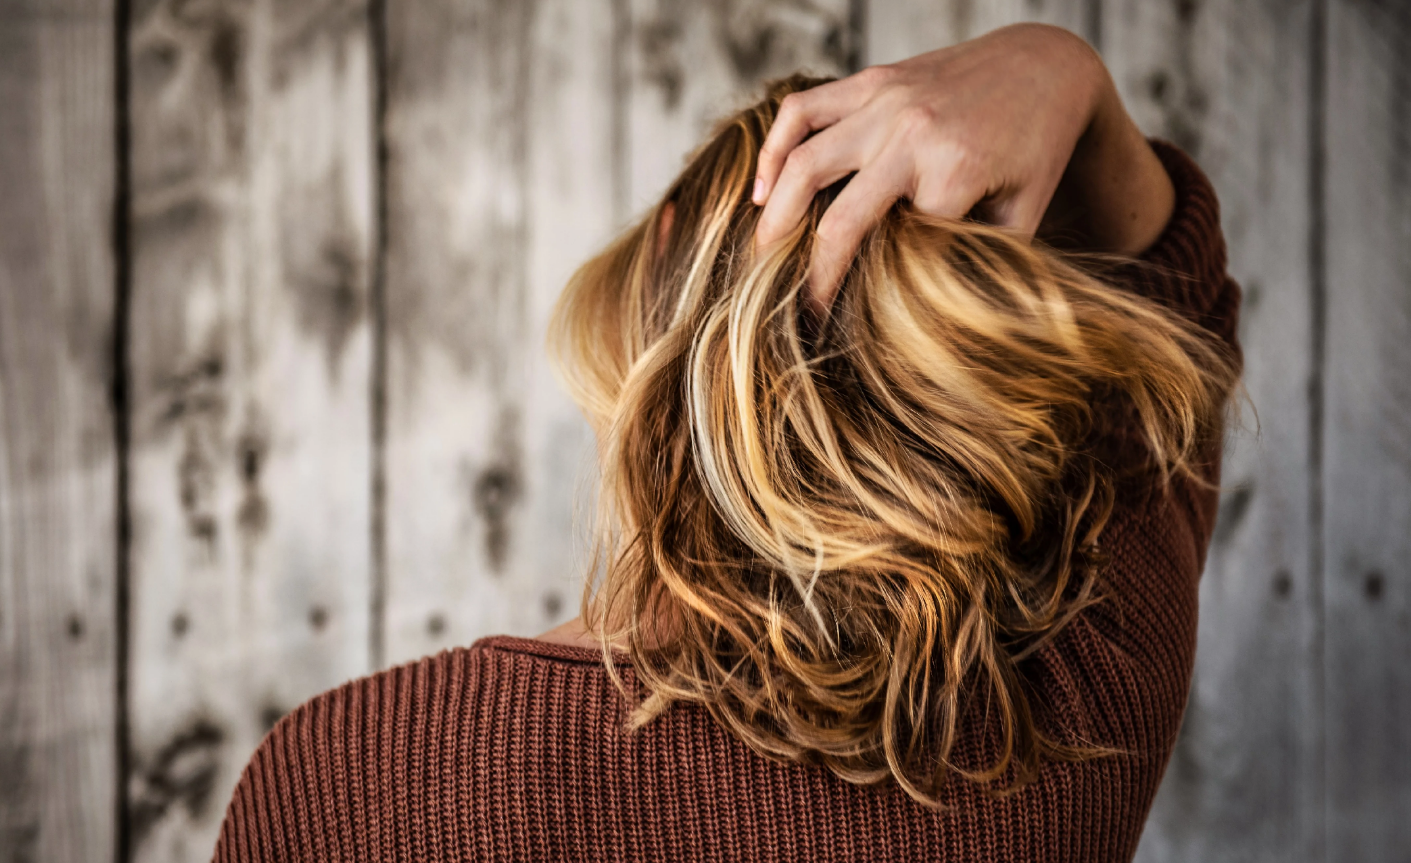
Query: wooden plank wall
(58, 456)
(1229, 81)
(250, 374)
(296, 424)
(1366, 448)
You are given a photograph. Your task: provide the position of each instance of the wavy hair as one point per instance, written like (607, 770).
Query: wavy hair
(837, 535)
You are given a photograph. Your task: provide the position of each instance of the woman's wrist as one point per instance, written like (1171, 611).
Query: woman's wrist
(1115, 196)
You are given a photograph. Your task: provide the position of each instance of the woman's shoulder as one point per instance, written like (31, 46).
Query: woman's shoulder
(369, 764)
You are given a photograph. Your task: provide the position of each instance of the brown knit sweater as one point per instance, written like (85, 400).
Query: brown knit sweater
(512, 749)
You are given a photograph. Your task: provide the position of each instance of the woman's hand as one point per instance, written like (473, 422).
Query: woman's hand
(993, 127)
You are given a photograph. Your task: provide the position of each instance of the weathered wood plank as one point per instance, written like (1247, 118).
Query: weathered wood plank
(58, 465)
(250, 355)
(896, 31)
(1367, 453)
(573, 165)
(1230, 83)
(499, 183)
(689, 64)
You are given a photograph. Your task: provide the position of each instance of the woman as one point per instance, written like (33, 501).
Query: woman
(903, 512)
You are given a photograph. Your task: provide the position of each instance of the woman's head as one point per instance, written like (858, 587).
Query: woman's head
(838, 535)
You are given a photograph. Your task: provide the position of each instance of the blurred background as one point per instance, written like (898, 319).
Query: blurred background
(274, 409)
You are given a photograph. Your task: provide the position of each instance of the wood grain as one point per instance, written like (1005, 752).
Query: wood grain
(573, 167)
(520, 136)
(58, 465)
(896, 31)
(252, 233)
(1367, 452)
(499, 183)
(690, 63)
(1230, 83)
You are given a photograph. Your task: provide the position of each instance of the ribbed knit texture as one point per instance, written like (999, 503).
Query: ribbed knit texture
(513, 749)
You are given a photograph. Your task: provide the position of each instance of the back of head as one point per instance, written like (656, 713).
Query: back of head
(836, 536)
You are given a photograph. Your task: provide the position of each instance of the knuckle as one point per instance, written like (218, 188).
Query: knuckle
(802, 162)
(917, 122)
(966, 160)
(877, 77)
(840, 227)
(790, 105)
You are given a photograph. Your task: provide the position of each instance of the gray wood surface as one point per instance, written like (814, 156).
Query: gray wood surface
(519, 137)
(573, 161)
(690, 64)
(1229, 82)
(896, 31)
(58, 466)
(1367, 448)
(498, 115)
(252, 172)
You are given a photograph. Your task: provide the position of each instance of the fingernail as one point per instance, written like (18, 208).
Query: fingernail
(758, 194)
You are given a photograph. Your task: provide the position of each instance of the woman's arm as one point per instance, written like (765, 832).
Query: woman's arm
(1022, 127)
(1114, 196)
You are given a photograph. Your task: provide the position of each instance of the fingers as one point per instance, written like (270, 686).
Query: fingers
(815, 164)
(861, 204)
(804, 112)
(866, 199)
(1022, 212)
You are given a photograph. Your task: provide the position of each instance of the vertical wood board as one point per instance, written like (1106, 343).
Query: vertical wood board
(250, 356)
(573, 164)
(690, 64)
(499, 184)
(58, 465)
(897, 31)
(1367, 445)
(1229, 82)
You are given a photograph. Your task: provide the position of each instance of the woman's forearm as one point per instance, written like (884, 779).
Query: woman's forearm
(1114, 196)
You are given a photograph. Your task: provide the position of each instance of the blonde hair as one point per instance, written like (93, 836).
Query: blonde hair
(835, 536)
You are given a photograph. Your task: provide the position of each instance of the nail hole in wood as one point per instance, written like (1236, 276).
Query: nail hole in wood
(436, 624)
(74, 625)
(553, 604)
(1283, 584)
(250, 460)
(318, 617)
(496, 492)
(179, 624)
(1374, 585)
(1157, 84)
